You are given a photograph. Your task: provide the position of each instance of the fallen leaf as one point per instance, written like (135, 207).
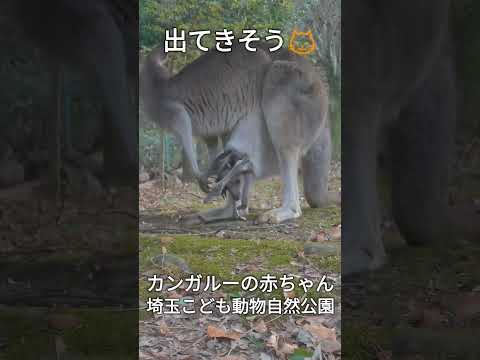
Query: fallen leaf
(336, 233)
(163, 327)
(280, 346)
(215, 332)
(287, 348)
(272, 342)
(166, 239)
(320, 236)
(320, 332)
(260, 327)
(331, 346)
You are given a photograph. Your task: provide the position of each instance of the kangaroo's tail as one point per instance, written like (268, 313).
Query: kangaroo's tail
(315, 171)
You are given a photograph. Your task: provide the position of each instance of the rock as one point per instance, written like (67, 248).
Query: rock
(220, 234)
(305, 337)
(12, 172)
(325, 248)
(170, 259)
(264, 356)
(331, 346)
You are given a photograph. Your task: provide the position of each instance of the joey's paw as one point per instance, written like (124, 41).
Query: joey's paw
(277, 216)
(203, 184)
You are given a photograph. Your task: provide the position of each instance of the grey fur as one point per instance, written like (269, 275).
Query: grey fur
(398, 89)
(271, 107)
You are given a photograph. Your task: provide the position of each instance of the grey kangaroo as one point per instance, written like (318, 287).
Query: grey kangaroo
(272, 107)
(399, 92)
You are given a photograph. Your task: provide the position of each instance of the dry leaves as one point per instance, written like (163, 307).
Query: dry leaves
(215, 332)
(334, 234)
(465, 306)
(320, 332)
(281, 347)
(163, 328)
(260, 327)
(232, 357)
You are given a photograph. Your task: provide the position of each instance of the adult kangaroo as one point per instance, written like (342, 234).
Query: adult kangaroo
(399, 91)
(275, 105)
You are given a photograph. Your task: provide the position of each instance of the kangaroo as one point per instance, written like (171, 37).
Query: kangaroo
(234, 175)
(399, 89)
(271, 107)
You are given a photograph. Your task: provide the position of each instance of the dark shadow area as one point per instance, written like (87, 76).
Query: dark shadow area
(69, 179)
(410, 185)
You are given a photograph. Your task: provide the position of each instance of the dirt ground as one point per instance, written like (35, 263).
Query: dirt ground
(53, 256)
(308, 247)
(162, 208)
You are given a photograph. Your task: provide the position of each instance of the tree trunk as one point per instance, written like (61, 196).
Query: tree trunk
(162, 159)
(55, 129)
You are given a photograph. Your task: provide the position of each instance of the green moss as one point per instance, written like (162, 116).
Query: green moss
(101, 334)
(327, 263)
(362, 342)
(325, 217)
(226, 258)
(216, 256)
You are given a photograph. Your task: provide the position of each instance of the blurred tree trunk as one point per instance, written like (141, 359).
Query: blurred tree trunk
(162, 160)
(55, 130)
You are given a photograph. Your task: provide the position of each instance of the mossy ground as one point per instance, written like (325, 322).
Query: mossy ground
(233, 249)
(229, 259)
(100, 334)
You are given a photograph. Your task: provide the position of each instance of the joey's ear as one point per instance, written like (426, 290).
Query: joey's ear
(159, 56)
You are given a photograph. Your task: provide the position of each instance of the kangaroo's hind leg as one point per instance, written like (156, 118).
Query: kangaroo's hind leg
(295, 106)
(289, 160)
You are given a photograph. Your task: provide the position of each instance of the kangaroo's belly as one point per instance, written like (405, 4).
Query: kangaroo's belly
(250, 136)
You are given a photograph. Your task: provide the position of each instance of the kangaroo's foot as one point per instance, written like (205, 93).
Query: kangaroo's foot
(276, 216)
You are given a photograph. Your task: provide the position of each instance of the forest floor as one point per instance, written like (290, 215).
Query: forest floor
(66, 270)
(308, 248)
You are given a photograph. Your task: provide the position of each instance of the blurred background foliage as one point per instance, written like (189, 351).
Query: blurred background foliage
(25, 94)
(320, 16)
